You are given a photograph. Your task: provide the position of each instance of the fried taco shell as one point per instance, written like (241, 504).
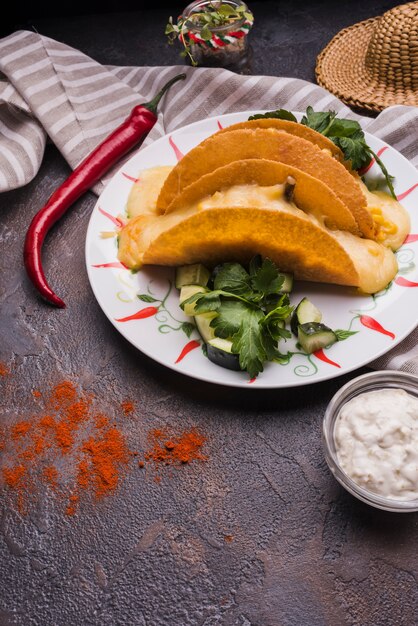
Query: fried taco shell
(309, 194)
(277, 145)
(294, 128)
(287, 236)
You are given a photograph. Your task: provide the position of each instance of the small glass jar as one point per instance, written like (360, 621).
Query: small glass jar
(367, 382)
(228, 47)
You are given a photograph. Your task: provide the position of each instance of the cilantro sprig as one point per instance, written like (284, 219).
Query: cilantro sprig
(250, 309)
(344, 133)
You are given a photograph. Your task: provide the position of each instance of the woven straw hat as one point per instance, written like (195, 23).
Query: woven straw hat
(374, 64)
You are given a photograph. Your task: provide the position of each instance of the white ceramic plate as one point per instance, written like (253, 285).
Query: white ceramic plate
(160, 329)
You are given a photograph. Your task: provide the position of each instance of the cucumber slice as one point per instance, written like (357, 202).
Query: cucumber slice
(219, 352)
(203, 326)
(187, 291)
(287, 283)
(196, 274)
(314, 336)
(304, 313)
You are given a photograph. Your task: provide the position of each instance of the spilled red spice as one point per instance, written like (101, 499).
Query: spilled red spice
(127, 407)
(228, 538)
(36, 393)
(20, 429)
(69, 432)
(77, 452)
(3, 370)
(175, 451)
(50, 473)
(15, 478)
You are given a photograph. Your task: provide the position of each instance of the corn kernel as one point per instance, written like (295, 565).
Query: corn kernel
(374, 251)
(379, 219)
(376, 211)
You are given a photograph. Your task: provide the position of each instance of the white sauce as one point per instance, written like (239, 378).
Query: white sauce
(376, 437)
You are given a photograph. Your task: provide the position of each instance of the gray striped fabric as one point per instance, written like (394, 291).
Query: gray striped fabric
(50, 89)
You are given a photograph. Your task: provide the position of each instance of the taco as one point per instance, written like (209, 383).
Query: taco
(272, 144)
(236, 222)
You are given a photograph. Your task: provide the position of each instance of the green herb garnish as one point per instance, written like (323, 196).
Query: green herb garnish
(242, 301)
(344, 133)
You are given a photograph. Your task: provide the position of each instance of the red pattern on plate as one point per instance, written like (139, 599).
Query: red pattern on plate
(370, 322)
(407, 192)
(132, 178)
(177, 152)
(411, 238)
(404, 282)
(116, 264)
(115, 220)
(192, 345)
(320, 354)
(220, 125)
(139, 315)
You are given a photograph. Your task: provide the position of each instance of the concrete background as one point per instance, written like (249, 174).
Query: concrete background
(260, 535)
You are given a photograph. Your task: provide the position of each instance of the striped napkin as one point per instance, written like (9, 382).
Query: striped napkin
(48, 89)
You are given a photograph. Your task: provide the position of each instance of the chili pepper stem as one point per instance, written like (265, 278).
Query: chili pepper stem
(153, 104)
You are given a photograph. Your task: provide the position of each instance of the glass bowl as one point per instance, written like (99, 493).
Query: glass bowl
(367, 382)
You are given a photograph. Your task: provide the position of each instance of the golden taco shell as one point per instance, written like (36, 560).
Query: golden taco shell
(272, 144)
(309, 194)
(294, 128)
(289, 237)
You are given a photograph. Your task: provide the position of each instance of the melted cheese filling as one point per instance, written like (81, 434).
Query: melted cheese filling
(392, 220)
(143, 197)
(374, 262)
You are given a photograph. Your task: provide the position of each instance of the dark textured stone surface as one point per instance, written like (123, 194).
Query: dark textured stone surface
(301, 550)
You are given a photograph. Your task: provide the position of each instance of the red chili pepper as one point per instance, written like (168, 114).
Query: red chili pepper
(95, 165)
(187, 348)
(139, 315)
(370, 322)
(320, 354)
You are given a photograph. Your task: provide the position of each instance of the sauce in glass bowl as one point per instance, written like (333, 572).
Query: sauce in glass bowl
(376, 436)
(370, 437)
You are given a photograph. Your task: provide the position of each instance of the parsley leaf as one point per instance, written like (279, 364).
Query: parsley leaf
(233, 278)
(248, 343)
(280, 114)
(204, 302)
(343, 128)
(266, 279)
(231, 315)
(349, 137)
(346, 134)
(318, 121)
(355, 149)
